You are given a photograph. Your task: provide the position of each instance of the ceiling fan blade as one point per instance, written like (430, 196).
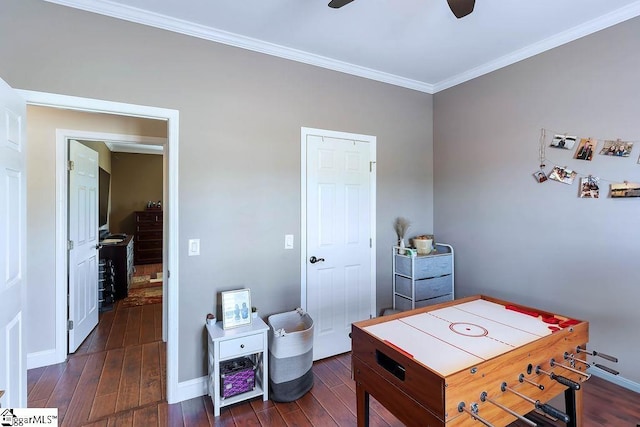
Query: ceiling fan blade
(461, 8)
(336, 4)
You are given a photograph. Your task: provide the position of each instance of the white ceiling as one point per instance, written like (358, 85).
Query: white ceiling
(417, 44)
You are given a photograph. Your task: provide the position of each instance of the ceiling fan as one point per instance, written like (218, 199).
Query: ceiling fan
(460, 8)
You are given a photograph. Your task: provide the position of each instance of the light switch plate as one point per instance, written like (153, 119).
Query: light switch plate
(194, 247)
(288, 241)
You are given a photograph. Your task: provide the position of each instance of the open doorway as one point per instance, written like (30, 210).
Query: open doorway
(54, 326)
(129, 269)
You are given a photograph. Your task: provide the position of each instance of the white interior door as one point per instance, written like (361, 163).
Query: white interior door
(340, 206)
(13, 218)
(83, 247)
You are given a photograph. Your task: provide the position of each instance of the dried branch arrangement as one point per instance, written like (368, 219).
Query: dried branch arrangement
(401, 225)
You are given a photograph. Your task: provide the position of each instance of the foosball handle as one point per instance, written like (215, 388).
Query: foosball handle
(550, 410)
(606, 368)
(606, 356)
(597, 353)
(565, 381)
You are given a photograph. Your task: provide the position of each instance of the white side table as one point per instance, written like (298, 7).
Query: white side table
(250, 341)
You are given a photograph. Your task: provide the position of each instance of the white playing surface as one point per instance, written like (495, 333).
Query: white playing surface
(461, 336)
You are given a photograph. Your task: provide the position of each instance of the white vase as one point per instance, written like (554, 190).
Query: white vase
(401, 251)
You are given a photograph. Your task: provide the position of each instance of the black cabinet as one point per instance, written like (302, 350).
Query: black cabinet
(121, 256)
(106, 287)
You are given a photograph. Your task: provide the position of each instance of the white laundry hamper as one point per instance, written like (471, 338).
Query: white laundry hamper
(290, 355)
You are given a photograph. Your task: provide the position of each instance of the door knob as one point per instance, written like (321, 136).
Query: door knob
(313, 260)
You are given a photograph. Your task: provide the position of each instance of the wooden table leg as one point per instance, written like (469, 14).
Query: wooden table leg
(362, 404)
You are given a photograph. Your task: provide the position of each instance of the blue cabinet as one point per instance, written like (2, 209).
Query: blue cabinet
(421, 280)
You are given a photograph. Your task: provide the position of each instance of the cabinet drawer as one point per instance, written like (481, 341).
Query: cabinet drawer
(149, 227)
(425, 288)
(145, 245)
(147, 217)
(239, 346)
(143, 235)
(404, 304)
(425, 266)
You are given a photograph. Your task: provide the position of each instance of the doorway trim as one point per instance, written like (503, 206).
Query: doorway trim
(170, 256)
(304, 132)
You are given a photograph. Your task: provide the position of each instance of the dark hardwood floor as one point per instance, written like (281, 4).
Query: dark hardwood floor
(117, 378)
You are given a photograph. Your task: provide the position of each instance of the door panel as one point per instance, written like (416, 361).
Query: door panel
(13, 214)
(83, 232)
(338, 230)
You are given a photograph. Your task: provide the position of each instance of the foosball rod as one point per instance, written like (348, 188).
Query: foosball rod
(559, 378)
(544, 407)
(588, 365)
(572, 358)
(474, 413)
(597, 353)
(522, 378)
(553, 363)
(597, 365)
(483, 398)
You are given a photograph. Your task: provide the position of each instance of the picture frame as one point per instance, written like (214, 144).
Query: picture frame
(589, 187)
(540, 176)
(625, 189)
(585, 149)
(236, 308)
(617, 148)
(562, 174)
(563, 142)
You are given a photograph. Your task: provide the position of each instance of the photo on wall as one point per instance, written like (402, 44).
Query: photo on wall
(563, 141)
(585, 149)
(564, 175)
(540, 176)
(625, 189)
(617, 149)
(589, 188)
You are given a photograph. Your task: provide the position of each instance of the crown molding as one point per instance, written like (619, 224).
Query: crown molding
(140, 16)
(117, 147)
(590, 27)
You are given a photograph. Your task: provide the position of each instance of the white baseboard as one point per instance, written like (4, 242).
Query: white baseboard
(193, 388)
(39, 359)
(616, 379)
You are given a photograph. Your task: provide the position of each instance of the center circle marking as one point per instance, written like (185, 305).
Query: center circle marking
(468, 329)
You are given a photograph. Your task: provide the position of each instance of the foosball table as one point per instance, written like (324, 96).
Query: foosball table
(471, 361)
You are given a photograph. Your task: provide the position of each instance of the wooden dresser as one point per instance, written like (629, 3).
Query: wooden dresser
(148, 247)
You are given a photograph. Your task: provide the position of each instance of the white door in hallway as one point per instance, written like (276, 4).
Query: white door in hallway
(13, 240)
(339, 252)
(83, 246)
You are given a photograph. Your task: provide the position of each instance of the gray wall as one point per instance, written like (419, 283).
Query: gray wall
(240, 119)
(539, 244)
